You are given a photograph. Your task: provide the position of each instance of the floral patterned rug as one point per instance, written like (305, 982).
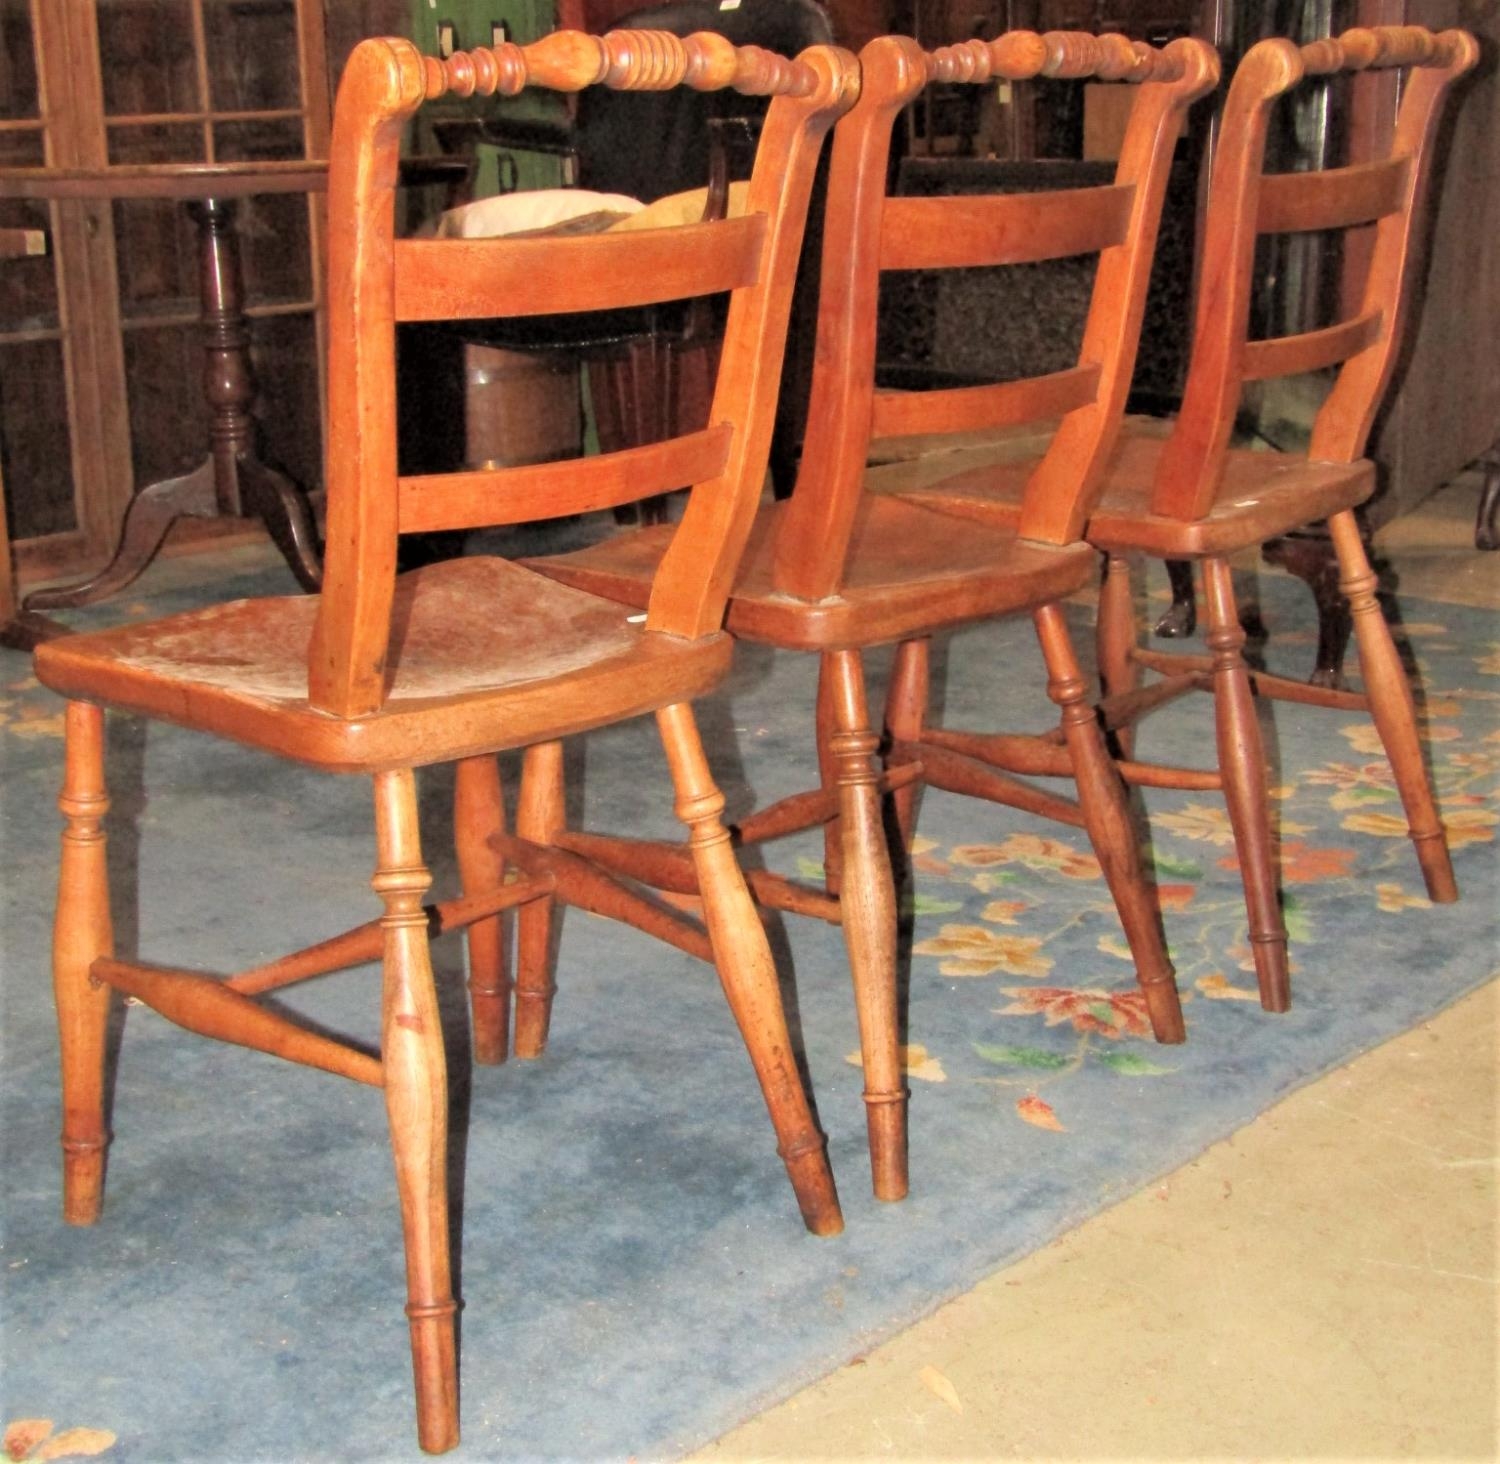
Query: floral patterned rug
(634, 1274)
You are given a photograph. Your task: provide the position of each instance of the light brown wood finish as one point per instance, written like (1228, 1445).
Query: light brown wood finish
(463, 659)
(1194, 497)
(837, 570)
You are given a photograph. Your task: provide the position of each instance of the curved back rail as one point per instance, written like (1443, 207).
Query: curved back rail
(1245, 202)
(377, 280)
(868, 231)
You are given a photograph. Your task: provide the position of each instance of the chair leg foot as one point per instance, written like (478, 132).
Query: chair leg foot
(747, 973)
(1243, 765)
(479, 813)
(868, 903)
(416, 1100)
(539, 818)
(1101, 796)
(81, 935)
(1393, 709)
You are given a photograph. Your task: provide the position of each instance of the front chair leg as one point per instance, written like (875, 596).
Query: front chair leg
(1393, 708)
(1106, 814)
(868, 907)
(478, 814)
(1242, 764)
(416, 1101)
(747, 973)
(539, 817)
(82, 932)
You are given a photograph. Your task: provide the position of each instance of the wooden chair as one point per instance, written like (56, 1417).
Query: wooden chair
(381, 675)
(1193, 497)
(837, 570)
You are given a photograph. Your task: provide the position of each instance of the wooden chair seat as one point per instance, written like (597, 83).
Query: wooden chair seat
(1261, 495)
(488, 644)
(910, 571)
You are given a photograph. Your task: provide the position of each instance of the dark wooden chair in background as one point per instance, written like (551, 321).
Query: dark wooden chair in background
(838, 570)
(453, 663)
(1193, 497)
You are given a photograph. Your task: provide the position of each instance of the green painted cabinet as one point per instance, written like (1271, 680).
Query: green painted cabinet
(440, 25)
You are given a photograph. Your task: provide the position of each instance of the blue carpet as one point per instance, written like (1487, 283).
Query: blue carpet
(634, 1274)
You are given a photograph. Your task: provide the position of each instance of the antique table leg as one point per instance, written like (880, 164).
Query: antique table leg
(231, 481)
(1486, 527)
(1308, 554)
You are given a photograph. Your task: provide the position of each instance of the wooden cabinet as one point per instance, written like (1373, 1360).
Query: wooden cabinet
(101, 362)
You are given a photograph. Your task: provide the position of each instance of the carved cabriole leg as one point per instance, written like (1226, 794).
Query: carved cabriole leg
(1309, 556)
(1101, 798)
(416, 1102)
(743, 957)
(81, 934)
(479, 812)
(833, 843)
(905, 717)
(1242, 763)
(1181, 616)
(539, 816)
(1119, 671)
(1393, 708)
(868, 904)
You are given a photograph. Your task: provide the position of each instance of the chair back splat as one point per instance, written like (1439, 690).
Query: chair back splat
(376, 280)
(1388, 192)
(868, 232)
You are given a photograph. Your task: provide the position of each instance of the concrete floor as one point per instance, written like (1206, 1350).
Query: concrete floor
(1323, 1284)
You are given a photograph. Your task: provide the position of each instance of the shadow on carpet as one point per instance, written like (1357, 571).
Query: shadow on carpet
(634, 1274)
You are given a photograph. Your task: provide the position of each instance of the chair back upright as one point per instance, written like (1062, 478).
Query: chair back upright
(867, 231)
(1245, 202)
(377, 280)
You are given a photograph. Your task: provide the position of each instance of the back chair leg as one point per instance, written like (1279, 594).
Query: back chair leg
(1106, 814)
(416, 1101)
(539, 817)
(479, 813)
(1242, 762)
(1393, 708)
(905, 717)
(81, 934)
(868, 906)
(1119, 671)
(743, 957)
(828, 776)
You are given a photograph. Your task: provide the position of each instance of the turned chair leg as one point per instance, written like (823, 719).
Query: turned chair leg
(742, 955)
(416, 1102)
(1106, 816)
(1119, 671)
(868, 907)
(81, 934)
(478, 814)
(1393, 708)
(539, 818)
(1242, 764)
(905, 717)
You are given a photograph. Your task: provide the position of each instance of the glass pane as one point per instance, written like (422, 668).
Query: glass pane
(252, 54)
(35, 454)
(147, 51)
(275, 252)
(18, 96)
(28, 285)
(156, 247)
(168, 415)
(284, 351)
(240, 142)
(180, 142)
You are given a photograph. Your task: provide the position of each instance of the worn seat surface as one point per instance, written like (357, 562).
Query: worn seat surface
(486, 642)
(907, 573)
(1261, 494)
